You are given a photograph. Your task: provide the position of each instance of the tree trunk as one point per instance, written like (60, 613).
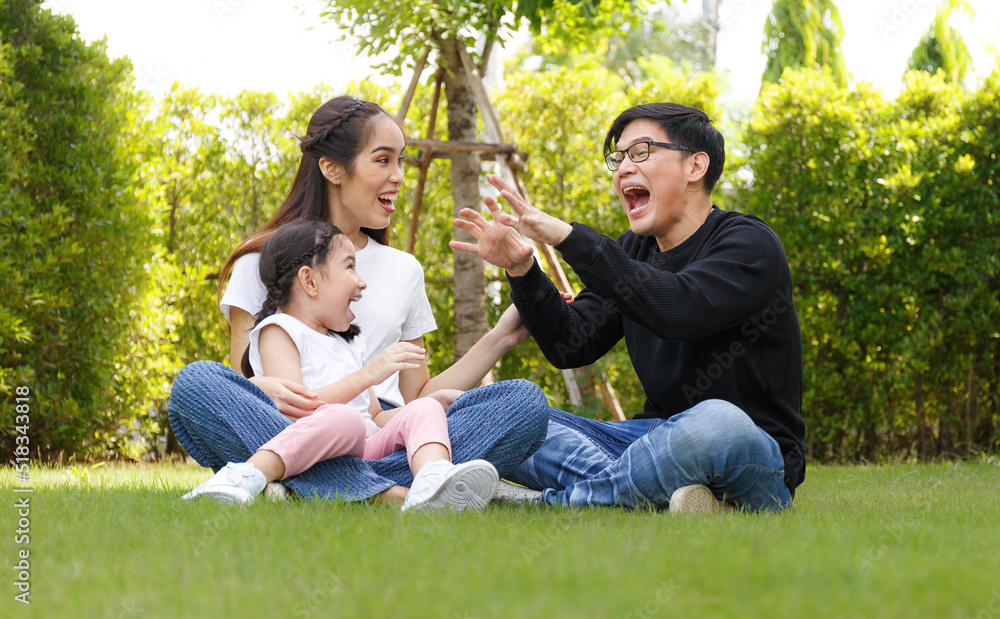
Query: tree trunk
(971, 407)
(710, 9)
(918, 396)
(469, 279)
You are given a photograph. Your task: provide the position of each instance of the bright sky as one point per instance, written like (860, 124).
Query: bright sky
(224, 46)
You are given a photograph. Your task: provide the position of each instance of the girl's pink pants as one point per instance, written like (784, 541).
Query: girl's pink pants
(340, 430)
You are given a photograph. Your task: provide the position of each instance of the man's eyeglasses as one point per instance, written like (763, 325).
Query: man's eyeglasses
(638, 152)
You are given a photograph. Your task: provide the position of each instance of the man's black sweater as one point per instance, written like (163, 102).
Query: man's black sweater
(712, 318)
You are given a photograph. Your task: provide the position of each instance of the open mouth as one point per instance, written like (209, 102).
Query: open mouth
(635, 198)
(387, 201)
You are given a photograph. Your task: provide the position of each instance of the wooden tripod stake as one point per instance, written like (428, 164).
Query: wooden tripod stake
(510, 163)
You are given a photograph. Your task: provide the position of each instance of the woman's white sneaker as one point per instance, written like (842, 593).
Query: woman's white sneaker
(458, 487)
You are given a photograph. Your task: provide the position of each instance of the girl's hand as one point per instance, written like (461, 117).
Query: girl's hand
(399, 356)
(446, 397)
(292, 399)
(510, 329)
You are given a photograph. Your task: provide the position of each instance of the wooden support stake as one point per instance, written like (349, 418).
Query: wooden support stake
(425, 164)
(462, 147)
(485, 108)
(414, 82)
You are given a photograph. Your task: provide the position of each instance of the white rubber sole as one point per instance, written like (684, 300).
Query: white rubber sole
(223, 495)
(469, 485)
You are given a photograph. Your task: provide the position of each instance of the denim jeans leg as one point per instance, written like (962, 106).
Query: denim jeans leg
(576, 449)
(714, 444)
(502, 423)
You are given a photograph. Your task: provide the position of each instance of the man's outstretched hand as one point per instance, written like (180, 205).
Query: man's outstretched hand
(498, 241)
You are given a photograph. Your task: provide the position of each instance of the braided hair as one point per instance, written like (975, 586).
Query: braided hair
(338, 131)
(289, 248)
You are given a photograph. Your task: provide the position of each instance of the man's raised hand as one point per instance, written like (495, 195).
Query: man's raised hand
(498, 242)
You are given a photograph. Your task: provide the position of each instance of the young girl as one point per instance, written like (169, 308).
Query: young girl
(304, 333)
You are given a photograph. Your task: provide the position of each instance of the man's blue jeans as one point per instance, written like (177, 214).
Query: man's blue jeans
(640, 462)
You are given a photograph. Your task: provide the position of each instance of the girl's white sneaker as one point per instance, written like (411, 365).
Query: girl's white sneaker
(457, 487)
(235, 483)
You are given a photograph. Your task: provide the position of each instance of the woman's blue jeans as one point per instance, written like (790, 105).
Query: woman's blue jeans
(220, 417)
(640, 462)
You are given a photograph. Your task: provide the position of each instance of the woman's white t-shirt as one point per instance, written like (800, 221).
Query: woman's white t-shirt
(325, 358)
(393, 308)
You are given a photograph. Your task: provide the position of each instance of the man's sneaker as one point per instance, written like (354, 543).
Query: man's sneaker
(276, 492)
(235, 483)
(510, 493)
(697, 499)
(441, 484)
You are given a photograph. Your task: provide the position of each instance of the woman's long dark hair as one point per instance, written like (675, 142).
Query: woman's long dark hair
(288, 249)
(338, 130)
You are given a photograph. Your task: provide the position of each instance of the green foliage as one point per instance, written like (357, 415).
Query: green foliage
(942, 48)
(403, 31)
(628, 40)
(73, 233)
(885, 211)
(803, 34)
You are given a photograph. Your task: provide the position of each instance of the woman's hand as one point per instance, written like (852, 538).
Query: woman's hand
(292, 399)
(399, 356)
(446, 397)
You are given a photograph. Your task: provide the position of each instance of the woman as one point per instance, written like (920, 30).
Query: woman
(350, 175)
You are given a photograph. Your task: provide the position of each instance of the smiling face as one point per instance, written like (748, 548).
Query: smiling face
(338, 285)
(365, 197)
(653, 192)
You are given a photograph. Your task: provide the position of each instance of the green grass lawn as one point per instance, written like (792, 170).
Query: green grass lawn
(861, 541)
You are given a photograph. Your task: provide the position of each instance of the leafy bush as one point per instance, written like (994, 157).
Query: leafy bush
(885, 211)
(71, 230)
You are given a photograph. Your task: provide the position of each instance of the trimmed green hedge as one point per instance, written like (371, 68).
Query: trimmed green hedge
(69, 229)
(888, 213)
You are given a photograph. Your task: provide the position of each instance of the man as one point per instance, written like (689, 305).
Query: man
(703, 298)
